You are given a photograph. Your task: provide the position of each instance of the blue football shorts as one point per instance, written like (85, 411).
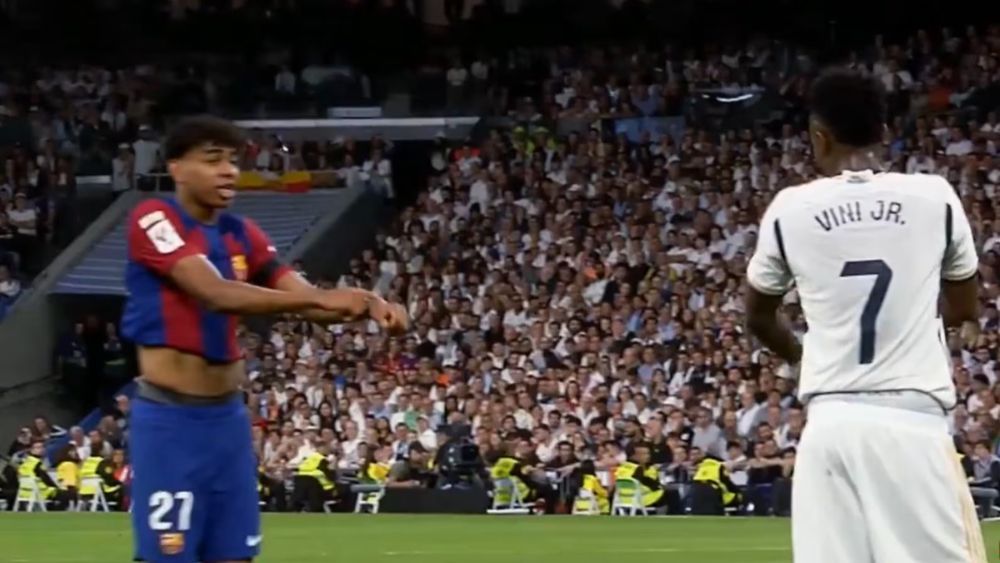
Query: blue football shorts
(194, 487)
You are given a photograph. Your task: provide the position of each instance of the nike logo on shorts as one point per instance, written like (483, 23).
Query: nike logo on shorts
(254, 541)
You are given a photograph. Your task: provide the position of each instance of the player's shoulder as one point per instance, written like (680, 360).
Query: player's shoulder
(151, 211)
(809, 190)
(158, 222)
(931, 183)
(931, 186)
(928, 186)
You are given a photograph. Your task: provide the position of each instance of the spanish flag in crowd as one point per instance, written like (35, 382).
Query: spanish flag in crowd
(293, 182)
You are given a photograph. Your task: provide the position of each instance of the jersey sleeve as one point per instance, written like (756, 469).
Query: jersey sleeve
(156, 237)
(265, 268)
(768, 270)
(961, 261)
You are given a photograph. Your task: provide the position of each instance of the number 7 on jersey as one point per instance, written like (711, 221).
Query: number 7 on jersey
(883, 275)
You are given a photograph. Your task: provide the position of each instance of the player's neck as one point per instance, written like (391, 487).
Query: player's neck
(196, 211)
(853, 160)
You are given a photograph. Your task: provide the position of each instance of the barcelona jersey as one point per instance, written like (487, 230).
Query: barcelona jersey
(158, 312)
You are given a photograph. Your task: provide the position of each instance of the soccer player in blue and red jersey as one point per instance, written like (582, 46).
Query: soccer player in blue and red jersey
(192, 269)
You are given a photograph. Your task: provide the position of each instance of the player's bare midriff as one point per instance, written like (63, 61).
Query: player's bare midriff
(189, 374)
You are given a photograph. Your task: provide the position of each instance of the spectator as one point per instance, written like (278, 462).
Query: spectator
(284, 81)
(314, 480)
(79, 440)
(411, 471)
(378, 171)
(985, 467)
(113, 116)
(766, 465)
(565, 459)
(110, 432)
(113, 357)
(147, 153)
(102, 468)
(98, 446)
(10, 288)
(480, 72)
(41, 429)
(8, 244)
(270, 156)
(121, 412)
(707, 435)
(123, 172)
(958, 145)
(34, 466)
(21, 443)
(24, 218)
(67, 464)
(64, 218)
(456, 77)
(653, 495)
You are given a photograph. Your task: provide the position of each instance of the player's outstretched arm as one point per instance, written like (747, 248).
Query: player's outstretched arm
(197, 277)
(340, 305)
(156, 242)
(347, 305)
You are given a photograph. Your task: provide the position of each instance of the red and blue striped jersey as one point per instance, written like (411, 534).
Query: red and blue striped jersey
(157, 311)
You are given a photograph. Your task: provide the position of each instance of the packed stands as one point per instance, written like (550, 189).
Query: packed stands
(575, 274)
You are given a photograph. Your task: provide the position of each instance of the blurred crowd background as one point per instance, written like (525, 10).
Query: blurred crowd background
(573, 267)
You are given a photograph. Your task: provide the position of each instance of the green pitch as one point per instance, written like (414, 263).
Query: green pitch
(309, 538)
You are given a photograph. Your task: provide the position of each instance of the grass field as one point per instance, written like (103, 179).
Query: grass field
(309, 538)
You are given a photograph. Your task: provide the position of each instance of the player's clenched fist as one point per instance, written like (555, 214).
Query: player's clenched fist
(356, 304)
(392, 317)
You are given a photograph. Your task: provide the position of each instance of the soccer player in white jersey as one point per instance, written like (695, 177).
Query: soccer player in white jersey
(877, 478)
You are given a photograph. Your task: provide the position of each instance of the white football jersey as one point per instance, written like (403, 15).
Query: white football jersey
(867, 253)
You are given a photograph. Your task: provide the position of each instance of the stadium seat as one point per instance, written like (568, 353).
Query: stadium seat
(97, 500)
(627, 500)
(507, 499)
(368, 497)
(585, 503)
(35, 499)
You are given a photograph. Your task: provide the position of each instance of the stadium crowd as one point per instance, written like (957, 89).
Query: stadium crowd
(57, 123)
(577, 299)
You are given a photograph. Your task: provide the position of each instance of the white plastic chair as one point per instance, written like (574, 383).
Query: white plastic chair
(586, 503)
(507, 499)
(97, 500)
(369, 497)
(627, 500)
(34, 499)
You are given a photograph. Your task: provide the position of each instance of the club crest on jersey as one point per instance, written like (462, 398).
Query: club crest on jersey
(171, 544)
(240, 269)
